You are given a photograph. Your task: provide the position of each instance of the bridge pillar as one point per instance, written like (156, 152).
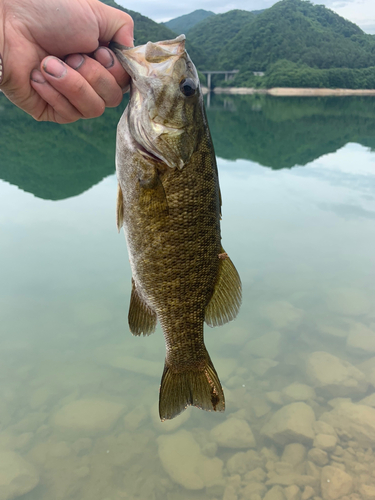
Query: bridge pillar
(209, 81)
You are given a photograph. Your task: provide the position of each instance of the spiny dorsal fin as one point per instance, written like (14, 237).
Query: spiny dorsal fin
(120, 209)
(141, 318)
(226, 299)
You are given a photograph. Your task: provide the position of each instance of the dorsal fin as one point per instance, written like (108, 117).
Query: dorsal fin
(226, 299)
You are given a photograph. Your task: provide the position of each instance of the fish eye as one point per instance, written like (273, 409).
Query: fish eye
(188, 87)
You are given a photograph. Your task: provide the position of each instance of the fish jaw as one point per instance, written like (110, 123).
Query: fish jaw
(162, 120)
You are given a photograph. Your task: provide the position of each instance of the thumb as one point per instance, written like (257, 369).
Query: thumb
(114, 24)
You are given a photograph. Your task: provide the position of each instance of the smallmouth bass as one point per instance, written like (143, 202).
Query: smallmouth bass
(169, 205)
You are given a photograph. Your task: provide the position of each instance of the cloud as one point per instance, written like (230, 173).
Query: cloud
(361, 12)
(165, 10)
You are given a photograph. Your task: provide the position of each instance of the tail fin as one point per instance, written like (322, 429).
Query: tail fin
(200, 388)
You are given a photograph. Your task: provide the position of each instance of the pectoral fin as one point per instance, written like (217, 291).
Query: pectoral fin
(226, 299)
(120, 209)
(152, 194)
(142, 319)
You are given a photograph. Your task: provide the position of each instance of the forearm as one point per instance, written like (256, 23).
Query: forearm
(2, 41)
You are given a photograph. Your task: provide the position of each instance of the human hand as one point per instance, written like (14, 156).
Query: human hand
(36, 36)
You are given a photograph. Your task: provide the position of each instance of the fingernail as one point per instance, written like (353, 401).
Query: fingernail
(105, 57)
(75, 61)
(36, 76)
(54, 67)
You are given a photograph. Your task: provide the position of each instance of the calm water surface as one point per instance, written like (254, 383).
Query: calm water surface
(78, 413)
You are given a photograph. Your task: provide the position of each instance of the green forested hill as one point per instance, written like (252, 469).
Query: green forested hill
(294, 34)
(216, 32)
(295, 42)
(300, 32)
(183, 24)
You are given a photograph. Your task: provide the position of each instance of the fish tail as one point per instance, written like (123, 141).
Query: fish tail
(200, 388)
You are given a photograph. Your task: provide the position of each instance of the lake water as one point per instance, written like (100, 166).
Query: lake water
(78, 412)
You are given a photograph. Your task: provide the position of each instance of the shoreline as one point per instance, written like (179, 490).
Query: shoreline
(290, 92)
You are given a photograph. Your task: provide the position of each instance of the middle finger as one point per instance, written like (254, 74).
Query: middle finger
(100, 79)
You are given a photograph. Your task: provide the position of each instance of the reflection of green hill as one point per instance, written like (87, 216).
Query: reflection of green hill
(283, 132)
(54, 161)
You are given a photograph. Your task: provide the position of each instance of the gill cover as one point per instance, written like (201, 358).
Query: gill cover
(165, 99)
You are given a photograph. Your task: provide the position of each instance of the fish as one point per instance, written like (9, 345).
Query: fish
(169, 204)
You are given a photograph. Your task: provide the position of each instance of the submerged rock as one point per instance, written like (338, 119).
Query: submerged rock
(348, 301)
(275, 397)
(292, 492)
(17, 476)
(183, 460)
(355, 420)
(368, 401)
(137, 365)
(87, 417)
(253, 488)
(262, 365)
(275, 493)
(298, 392)
(292, 423)
(318, 456)
(226, 367)
(333, 375)
(281, 314)
(361, 339)
(332, 331)
(367, 491)
(325, 442)
(233, 433)
(294, 454)
(335, 483)
(266, 346)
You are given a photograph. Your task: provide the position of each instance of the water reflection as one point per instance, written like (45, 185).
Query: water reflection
(53, 161)
(78, 419)
(56, 162)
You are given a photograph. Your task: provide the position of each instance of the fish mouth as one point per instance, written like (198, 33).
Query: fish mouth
(138, 59)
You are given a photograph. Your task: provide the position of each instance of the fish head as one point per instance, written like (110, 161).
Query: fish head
(166, 103)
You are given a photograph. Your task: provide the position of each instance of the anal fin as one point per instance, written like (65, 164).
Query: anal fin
(226, 299)
(120, 208)
(142, 319)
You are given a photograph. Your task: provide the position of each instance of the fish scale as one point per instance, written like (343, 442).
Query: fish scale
(170, 207)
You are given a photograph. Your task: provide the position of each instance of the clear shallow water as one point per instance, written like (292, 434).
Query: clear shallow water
(79, 393)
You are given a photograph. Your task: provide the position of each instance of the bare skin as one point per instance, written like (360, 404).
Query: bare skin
(56, 65)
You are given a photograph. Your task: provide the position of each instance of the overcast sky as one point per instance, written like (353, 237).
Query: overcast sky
(361, 12)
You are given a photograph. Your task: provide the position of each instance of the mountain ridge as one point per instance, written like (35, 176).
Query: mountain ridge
(183, 24)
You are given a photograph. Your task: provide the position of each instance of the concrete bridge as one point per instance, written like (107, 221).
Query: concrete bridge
(228, 75)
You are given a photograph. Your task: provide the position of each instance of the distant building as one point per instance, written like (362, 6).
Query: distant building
(258, 73)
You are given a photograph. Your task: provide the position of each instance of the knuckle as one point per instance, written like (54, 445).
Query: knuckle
(116, 100)
(78, 87)
(95, 111)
